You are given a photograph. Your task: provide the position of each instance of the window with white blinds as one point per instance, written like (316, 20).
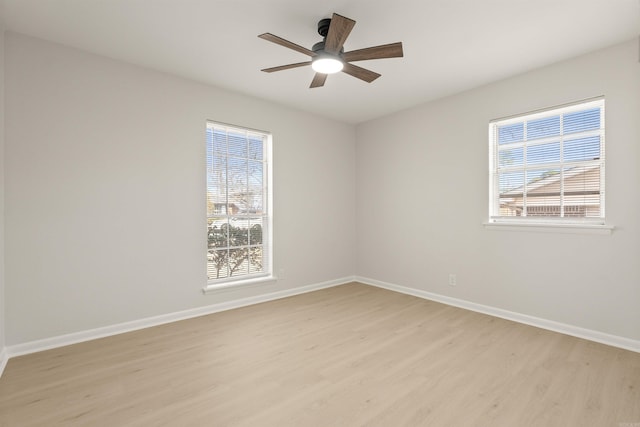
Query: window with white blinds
(238, 204)
(548, 166)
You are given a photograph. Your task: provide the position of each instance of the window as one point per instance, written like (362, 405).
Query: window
(238, 204)
(548, 166)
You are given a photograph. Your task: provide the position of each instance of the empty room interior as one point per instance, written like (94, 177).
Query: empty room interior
(200, 225)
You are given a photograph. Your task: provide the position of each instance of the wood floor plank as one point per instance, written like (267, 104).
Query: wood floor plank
(352, 355)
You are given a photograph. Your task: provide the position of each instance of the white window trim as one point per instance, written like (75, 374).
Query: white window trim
(268, 276)
(551, 228)
(240, 283)
(541, 224)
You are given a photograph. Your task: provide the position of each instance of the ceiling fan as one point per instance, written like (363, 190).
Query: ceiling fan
(328, 56)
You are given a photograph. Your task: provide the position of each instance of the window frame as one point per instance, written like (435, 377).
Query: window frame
(548, 223)
(266, 274)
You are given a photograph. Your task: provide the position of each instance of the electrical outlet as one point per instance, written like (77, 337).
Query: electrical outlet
(452, 279)
(281, 273)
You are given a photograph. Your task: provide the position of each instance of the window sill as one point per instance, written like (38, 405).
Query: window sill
(551, 228)
(218, 287)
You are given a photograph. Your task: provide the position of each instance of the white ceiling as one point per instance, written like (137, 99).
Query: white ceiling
(449, 45)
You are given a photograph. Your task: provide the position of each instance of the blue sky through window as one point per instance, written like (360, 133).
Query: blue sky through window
(549, 163)
(529, 145)
(235, 169)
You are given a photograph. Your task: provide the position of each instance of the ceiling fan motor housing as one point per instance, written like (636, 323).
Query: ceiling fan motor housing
(323, 26)
(319, 47)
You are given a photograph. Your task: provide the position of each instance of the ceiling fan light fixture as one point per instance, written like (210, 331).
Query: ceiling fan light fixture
(327, 64)
(328, 56)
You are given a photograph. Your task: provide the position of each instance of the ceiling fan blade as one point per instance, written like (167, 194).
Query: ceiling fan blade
(286, 43)
(391, 50)
(360, 73)
(339, 30)
(286, 67)
(318, 80)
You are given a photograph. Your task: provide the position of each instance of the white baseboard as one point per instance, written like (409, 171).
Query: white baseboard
(88, 335)
(76, 337)
(4, 358)
(588, 334)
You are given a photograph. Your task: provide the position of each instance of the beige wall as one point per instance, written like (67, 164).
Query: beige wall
(101, 155)
(105, 191)
(2, 269)
(422, 185)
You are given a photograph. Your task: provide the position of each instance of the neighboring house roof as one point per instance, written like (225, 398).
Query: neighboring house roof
(545, 184)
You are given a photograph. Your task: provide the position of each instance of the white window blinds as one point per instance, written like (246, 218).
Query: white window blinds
(549, 165)
(238, 211)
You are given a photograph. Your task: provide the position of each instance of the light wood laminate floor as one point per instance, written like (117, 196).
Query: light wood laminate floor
(351, 355)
